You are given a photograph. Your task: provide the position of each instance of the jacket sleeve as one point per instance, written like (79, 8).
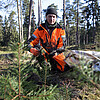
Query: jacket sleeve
(61, 43)
(34, 40)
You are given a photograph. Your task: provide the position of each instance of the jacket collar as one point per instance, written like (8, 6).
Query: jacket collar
(43, 26)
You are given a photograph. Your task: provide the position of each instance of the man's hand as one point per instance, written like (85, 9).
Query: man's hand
(34, 51)
(53, 53)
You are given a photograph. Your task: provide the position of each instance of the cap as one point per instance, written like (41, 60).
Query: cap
(51, 10)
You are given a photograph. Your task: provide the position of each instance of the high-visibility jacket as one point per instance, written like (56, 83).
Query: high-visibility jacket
(55, 41)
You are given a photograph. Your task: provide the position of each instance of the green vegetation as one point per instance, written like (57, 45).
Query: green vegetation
(22, 77)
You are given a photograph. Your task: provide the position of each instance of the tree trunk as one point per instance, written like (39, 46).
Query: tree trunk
(84, 34)
(67, 33)
(87, 39)
(64, 21)
(84, 37)
(77, 35)
(33, 18)
(64, 15)
(19, 21)
(30, 15)
(39, 12)
(22, 37)
(93, 9)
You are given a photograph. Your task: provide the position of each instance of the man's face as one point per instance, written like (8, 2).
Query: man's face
(51, 18)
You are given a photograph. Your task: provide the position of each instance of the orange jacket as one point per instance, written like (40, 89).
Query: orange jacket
(42, 37)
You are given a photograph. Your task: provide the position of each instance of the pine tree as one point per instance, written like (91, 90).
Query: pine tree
(25, 12)
(39, 12)
(13, 34)
(68, 20)
(77, 4)
(1, 29)
(64, 15)
(92, 11)
(6, 32)
(30, 17)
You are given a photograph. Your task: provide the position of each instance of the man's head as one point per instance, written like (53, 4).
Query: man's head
(51, 15)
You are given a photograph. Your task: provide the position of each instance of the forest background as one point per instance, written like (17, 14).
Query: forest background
(81, 20)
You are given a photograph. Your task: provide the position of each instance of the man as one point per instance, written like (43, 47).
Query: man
(49, 37)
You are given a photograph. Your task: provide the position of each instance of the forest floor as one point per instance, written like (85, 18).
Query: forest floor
(78, 85)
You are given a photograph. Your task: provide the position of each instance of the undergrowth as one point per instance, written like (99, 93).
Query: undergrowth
(27, 80)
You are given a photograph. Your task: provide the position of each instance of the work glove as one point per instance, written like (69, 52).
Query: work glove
(56, 52)
(53, 53)
(60, 50)
(34, 51)
(42, 51)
